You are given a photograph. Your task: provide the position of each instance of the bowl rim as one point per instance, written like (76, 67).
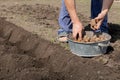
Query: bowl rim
(92, 42)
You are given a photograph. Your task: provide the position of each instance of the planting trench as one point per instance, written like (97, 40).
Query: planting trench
(25, 56)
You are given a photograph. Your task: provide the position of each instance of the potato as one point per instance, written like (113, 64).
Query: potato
(87, 39)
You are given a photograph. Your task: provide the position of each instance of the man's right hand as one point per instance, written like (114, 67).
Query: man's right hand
(77, 30)
(77, 25)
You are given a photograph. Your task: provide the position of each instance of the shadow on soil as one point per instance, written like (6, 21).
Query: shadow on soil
(114, 32)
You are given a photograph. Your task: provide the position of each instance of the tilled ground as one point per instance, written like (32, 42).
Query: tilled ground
(36, 18)
(26, 56)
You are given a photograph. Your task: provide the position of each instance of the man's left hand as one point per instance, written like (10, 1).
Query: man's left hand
(100, 19)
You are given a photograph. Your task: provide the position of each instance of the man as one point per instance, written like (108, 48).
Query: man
(69, 21)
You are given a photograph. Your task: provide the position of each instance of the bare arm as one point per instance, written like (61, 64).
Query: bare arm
(77, 25)
(71, 7)
(106, 5)
(105, 8)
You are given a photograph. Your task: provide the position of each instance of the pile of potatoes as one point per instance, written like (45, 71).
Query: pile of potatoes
(87, 39)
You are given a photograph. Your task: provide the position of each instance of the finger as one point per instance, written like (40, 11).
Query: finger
(74, 35)
(98, 24)
(80, 35)
(92, 27)
(92, 24)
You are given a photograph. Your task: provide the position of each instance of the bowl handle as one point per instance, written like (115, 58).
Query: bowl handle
(104, 45)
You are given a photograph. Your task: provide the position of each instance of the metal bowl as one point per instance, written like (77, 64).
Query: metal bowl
(89, 49)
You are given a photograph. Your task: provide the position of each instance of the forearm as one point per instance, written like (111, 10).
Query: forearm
(106, 5)
(71, 7)
(105, 8)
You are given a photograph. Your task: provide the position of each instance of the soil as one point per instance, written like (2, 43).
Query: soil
(27, 56)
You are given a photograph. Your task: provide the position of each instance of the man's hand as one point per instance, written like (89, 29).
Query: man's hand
(105, 8)
(77, 30)
(77, 25)
(100, 19)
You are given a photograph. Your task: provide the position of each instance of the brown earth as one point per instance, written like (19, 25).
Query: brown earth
(44, 18)
(27, 56)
